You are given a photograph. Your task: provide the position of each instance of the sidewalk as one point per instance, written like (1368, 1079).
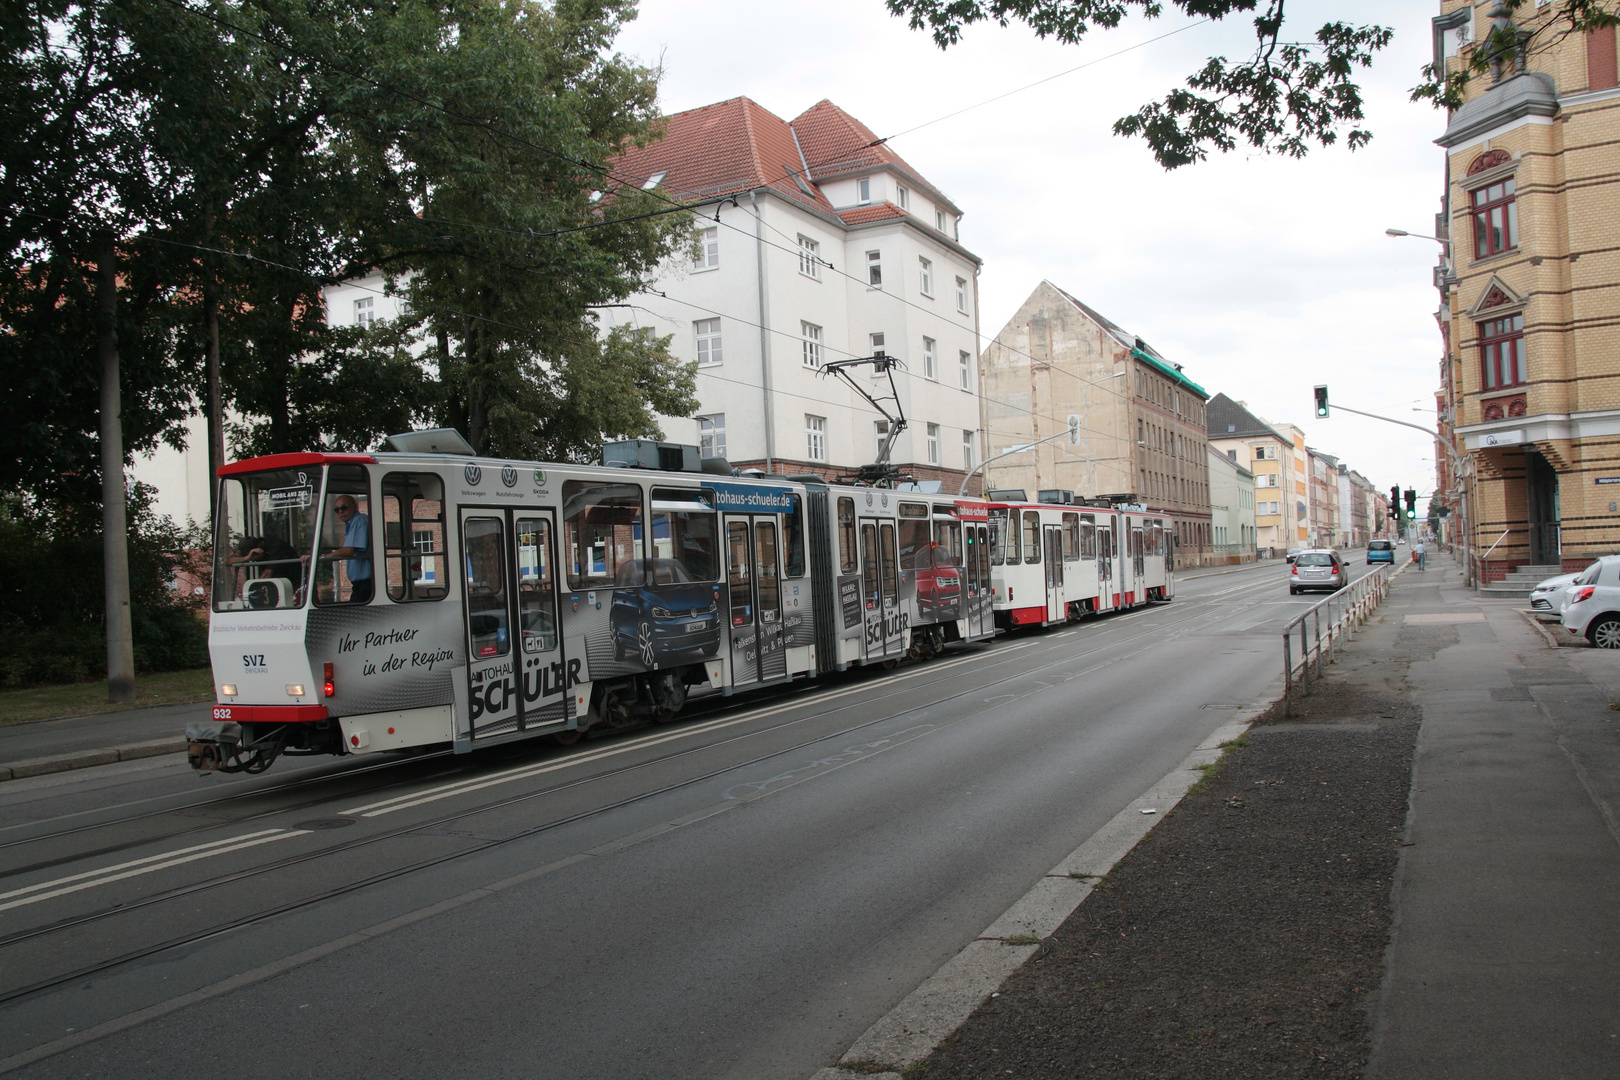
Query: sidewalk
(75, 742)
(1413, 880)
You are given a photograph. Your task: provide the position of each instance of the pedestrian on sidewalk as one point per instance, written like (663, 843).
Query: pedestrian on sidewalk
(1421, 553)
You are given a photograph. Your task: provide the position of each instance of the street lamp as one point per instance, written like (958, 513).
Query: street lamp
(1067, 432)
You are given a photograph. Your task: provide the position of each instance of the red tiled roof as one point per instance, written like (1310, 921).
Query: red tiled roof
(730, 146)
(860, 215)
(834, 142)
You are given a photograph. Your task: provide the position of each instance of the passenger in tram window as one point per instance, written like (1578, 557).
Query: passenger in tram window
(356, 548)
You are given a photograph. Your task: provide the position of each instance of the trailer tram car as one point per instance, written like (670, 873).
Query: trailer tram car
(1059, 561)
(421, 595)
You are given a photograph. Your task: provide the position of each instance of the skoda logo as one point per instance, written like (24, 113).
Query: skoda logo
(508, 476)
(539, 478)
(868, 498)
(473, 474)
(885, 500)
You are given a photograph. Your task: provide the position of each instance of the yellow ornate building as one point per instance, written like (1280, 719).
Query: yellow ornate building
(1531, 311)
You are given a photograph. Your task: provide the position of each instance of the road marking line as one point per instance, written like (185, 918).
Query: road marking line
(275, 834)
(134, 862)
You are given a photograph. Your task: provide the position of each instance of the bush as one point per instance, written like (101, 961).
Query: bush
(52, 617)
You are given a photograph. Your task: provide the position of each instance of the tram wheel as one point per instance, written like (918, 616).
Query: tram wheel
(669, 692)
(568, 736)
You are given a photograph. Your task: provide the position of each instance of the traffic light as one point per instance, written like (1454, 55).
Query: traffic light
(1321, 401)
(1395, 501)
(1411, 505)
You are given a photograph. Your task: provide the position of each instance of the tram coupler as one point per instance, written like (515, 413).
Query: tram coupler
(211, 743)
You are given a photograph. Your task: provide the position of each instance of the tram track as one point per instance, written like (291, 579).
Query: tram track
(1122, 647)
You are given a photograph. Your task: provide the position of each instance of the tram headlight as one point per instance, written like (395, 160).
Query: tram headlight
(227, 689)
(328, 686)
(295, 689)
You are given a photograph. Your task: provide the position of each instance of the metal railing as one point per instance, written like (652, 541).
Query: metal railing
(1340, 613)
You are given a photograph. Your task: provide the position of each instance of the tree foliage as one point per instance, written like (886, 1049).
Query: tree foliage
(1285, 97)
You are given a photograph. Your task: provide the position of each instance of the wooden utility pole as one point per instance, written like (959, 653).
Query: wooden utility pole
(114, 525)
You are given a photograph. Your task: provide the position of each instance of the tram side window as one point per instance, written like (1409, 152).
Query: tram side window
(891, 585)
(343, 565)
(413, 536)
(1105, 543)
(602, 534)
(1032, 536)
(1088, 537)
(742, 611)
(848, 559)
(1003, 539)
(793, 538)
(947, 543)
(1071, 537)
(685, 537)
(769, 585)
(485, 550)
(537, 585)
(916, 538)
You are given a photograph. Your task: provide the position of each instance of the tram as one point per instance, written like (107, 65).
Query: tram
(421, 595)
(1058, 561)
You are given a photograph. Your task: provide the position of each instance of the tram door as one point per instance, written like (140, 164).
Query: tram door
(754, 585)
(1124, 578)
(976, 579)
(515, 669)
(880, 590)
(1052, 543)
(1107, 595)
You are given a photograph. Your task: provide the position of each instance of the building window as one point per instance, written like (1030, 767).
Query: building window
(709, 248)
(961, 295)
(930, 360)
(964, 370)
(876, 341)
(880, 430)
(707, 332)
(811, 335)
(712, 435)
(933, 444)
(925, 276)
(874, 269)
(939, 220)
(1496, 219)
(365, 311)
(903, 197)
(809, 258)
(1501, 345)
(967, 450)
(815, 437)
(863, 190)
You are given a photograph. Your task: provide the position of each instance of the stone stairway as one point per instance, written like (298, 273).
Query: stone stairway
(1517, 585)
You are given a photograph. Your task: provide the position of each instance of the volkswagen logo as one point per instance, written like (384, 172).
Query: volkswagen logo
(473, 475)
(508, 476)
(868, 498)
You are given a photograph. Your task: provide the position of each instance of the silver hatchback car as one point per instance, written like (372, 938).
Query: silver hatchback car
(1317, 569)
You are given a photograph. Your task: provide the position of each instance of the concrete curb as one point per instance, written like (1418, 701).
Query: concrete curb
(1546, 633)
(929, 1014)
(83, 759)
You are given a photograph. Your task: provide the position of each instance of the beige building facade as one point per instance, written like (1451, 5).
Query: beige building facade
(1530, 316)
(1106, 414)
(1275, 454)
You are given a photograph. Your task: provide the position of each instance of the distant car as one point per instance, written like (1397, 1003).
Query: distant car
(664, 615)
(1317, 568)
(1293, 553)
(1547, 598)
(1592, 606)
(1380, 551)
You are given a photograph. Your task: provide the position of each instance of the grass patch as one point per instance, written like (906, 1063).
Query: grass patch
(81, 699)
(1241, 740)
(1021, 939)
(1209, 772)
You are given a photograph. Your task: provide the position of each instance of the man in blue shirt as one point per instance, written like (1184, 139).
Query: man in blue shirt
(356, 548)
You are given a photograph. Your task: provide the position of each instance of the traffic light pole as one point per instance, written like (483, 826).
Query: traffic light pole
(1459, 461)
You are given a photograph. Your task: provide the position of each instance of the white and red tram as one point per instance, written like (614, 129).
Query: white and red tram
(422, 595)
(1058, 562)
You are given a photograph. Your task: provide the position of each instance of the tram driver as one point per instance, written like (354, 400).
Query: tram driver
(356, 549)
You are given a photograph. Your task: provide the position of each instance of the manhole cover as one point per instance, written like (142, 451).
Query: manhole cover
(326, 823)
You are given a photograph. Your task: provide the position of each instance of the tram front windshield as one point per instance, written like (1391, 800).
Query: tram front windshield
(264, 537)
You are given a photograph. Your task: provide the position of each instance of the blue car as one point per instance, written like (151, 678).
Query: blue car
(664, 615)
(1380, 551)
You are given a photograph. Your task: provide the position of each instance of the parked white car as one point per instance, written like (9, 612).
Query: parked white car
(1547, 598)
(1593, 605)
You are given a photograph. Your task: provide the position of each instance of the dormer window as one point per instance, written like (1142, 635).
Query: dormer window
(654, 180)
(939, 220)
(863, 190)
(903, 197)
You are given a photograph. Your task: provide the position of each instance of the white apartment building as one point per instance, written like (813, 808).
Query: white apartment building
(815, 246)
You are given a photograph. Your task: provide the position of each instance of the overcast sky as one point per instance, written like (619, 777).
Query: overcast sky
(1261, 276)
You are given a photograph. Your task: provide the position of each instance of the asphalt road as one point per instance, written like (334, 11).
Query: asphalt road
(738, 895)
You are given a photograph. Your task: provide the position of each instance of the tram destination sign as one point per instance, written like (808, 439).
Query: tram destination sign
(287, 498)
(749, 499)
